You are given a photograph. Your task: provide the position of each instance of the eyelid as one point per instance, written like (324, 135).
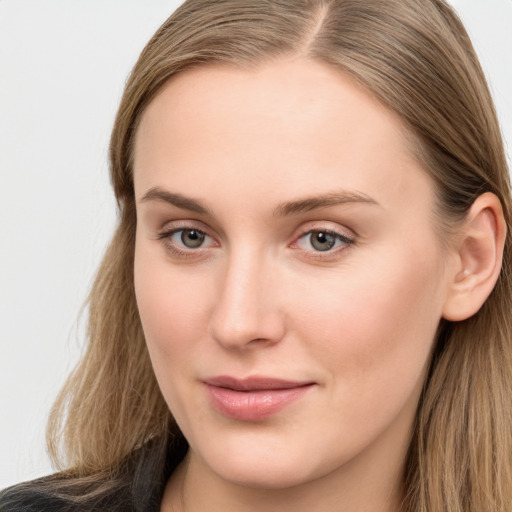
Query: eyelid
(329, 227)
(171, 232)
(177, 225)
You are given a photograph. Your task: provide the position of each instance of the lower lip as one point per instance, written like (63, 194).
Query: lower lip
(253, 405)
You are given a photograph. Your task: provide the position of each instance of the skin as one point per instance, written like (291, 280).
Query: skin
(257, 298)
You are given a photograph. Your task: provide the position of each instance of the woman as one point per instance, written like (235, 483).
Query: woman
(305, 304)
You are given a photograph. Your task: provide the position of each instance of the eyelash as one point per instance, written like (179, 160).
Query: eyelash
(166, 238)
(346, 241)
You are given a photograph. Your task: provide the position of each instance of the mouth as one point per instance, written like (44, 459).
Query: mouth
(253, 398)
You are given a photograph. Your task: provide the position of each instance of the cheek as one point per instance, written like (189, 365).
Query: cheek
(173, 310)
(173, 314)
(374, 326)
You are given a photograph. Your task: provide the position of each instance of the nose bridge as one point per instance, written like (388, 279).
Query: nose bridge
(247, 308)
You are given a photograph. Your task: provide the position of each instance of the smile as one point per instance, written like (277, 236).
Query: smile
(255, 398)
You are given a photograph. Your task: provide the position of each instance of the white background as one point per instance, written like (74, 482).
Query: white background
(63, 64)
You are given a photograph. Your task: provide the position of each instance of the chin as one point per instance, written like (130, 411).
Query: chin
(263, 467)
(264, 475)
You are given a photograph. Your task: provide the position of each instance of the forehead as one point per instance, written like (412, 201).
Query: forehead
(284, 126)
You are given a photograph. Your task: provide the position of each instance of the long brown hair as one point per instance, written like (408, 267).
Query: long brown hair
(417, 59)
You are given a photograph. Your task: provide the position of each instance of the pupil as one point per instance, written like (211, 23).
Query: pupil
(192, 238)
(322, 241)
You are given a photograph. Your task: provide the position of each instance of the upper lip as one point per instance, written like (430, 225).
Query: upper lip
(255, 383)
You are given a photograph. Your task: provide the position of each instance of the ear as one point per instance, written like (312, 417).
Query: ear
(478, 260)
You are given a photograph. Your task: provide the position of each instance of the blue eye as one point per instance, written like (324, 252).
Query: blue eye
(323, 240)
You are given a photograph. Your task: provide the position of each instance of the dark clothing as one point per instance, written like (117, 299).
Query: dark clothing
(136, 486)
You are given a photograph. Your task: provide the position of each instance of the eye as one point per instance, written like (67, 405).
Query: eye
(322, 240)
(185, 241)
(190, 238)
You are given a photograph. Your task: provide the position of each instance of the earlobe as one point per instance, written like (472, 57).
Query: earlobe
(479, 258)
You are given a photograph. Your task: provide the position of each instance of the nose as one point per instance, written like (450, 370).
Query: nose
(248, 311)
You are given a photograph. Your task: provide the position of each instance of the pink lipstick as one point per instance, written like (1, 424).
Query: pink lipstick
(254, 398)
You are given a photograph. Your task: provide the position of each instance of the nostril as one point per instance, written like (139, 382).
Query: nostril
(260, 330)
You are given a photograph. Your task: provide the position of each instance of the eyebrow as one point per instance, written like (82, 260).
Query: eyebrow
(178, 200)
(322, 201)
(283, 210)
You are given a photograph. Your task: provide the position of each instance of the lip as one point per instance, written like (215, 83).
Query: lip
(253, 398)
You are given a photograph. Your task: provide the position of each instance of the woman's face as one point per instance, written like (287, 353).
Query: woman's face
(288, 271)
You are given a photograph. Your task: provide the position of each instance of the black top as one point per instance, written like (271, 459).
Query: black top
(137, 485)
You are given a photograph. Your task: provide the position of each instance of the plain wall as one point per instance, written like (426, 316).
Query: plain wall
(63, 64)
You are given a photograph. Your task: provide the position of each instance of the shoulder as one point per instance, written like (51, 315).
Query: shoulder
(136, 485)
(64, 493)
